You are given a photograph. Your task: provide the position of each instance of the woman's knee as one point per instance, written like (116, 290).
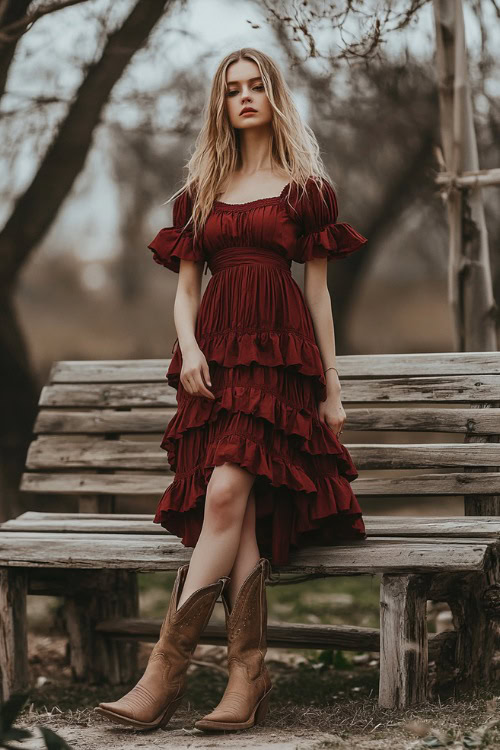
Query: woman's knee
(226, 498)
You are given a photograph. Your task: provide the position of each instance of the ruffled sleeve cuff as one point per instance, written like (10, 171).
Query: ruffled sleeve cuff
(333, 241)
(171, 244)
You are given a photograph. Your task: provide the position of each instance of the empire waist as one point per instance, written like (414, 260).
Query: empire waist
(229, 257)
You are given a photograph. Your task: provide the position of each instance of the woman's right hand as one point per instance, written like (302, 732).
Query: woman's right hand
(195, 372)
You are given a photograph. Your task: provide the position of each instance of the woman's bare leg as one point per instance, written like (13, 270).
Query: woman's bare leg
(248, 550)
(217, 545)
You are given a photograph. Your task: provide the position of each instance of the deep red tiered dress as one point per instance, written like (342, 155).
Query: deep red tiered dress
(256, 332)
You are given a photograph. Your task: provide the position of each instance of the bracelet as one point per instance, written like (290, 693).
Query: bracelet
(331, 368)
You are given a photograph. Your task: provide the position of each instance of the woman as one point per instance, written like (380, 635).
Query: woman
(254, 444)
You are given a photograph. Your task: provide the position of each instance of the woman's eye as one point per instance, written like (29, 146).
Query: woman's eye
(255, 88)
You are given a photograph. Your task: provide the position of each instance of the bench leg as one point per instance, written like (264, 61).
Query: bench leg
(13, 632)
(94, 657)
(476, 635)
(403, 640)
(96, 503)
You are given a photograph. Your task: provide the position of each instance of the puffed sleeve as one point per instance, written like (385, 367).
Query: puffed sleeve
(173, 243)
(321, 234)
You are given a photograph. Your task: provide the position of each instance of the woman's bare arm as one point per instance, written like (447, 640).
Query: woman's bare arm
(186, 306)
(319, 303)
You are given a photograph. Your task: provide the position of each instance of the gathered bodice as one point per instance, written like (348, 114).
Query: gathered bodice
(295, 226)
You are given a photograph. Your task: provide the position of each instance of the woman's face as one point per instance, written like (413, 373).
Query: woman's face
(245, 89)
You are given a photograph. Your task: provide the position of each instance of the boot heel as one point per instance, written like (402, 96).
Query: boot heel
(170, 711)
(261, 711)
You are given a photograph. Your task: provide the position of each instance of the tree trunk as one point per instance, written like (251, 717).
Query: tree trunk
(33, 215)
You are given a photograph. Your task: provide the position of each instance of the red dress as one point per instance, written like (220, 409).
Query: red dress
(256, 332)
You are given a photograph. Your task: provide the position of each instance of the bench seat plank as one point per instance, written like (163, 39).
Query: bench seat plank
(143, 552)
(142, 523)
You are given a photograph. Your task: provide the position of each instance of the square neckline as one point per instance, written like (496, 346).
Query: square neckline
(257, 201)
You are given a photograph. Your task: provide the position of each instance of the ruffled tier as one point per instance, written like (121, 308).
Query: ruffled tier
(301, 497)
(285, 518)
(333, 241)
(286, 404)
(267, 348)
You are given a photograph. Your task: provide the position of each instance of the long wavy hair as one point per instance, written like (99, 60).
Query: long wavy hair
(294, 147)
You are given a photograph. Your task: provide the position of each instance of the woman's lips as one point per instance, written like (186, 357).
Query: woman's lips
(248, 113)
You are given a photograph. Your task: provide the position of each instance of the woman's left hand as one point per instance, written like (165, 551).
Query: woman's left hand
(332, 412)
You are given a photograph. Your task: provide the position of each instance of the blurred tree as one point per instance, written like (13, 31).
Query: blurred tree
(36, 209)
(381, 111)
(382, 114)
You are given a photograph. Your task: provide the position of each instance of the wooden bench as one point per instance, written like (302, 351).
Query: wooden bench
(97, 440)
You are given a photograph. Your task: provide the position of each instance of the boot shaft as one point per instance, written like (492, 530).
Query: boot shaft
(246, 622)
(181, 629)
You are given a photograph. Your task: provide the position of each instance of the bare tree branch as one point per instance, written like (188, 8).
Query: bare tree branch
(10, 32)
(9, 13)
(36, 209)
(304, 20)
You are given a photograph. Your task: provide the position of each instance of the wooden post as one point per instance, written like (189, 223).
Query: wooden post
(470, 288)
(403, 640)
(100, 595)
(96, 503)
(13, 632)
(476, 628)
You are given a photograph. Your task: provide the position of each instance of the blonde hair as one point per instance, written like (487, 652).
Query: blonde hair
(294, 148)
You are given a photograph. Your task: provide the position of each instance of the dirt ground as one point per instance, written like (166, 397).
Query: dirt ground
(316, 705)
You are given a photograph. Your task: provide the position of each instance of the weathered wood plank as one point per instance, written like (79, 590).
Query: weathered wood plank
(142, 523)
(151, 553)
(57, 451)
(14, 672)
(358, 365)
(140, 483)
(146, 421)
(96, 533)
(105, 421)
(279, 635)
(403, 640)
(411, 389)
(109, 395)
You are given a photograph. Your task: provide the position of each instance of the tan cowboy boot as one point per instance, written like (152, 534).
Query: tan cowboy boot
(246, 697)
(152, 702)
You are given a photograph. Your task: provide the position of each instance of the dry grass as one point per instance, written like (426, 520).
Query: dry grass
(313, 702)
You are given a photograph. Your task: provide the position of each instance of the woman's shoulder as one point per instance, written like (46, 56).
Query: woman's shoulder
(314, 203)
(182, 207)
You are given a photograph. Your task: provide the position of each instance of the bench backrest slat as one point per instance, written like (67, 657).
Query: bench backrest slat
(427, 424)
